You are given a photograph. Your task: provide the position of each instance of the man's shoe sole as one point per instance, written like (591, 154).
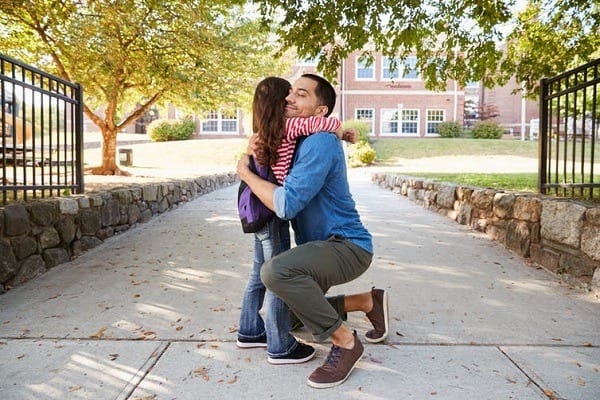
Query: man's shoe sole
(386, 319)
(283, 361)
(318, 385)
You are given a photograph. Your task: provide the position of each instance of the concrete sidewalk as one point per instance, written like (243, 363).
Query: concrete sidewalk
(152, 314)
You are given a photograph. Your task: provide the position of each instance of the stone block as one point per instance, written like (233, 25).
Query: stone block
(592, 216)
(29, 269)
(483, 199)
(66, 228)
(446, 196)
(68, 206)
(562, 221)
(43, 213)
(546, 257)
(518, 237)
(527, 208)
(8, 261)
(503, 205)
(110, 213)
(24, 247)
(590, 241)
(55, 256)
(89, 221)
(150, 192)
(49, 238)
(16, 220)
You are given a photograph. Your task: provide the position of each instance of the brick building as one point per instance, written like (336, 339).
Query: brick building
(395, 103)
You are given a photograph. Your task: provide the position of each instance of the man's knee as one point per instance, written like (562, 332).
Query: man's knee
(270, 274)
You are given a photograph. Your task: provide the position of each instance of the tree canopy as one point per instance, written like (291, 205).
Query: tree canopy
(194, 54)
(452, 39)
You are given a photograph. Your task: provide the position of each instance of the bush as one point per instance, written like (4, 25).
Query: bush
(361, 154)
(162, 130)
(487, 130)
(449, 129)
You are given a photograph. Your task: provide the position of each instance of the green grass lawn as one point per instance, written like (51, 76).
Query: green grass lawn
(520, 182)
(390, 150)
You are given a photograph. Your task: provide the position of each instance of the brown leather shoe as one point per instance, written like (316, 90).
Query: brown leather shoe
(379, 316)
(337, 367)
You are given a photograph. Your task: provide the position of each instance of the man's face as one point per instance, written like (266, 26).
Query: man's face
(302, 100)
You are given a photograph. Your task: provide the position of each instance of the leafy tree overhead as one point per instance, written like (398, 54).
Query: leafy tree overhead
(195, 54)
(452, 39)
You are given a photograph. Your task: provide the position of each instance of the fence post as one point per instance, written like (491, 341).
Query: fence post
(543, 137)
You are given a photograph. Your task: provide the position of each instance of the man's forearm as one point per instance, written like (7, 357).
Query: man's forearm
(261, 188)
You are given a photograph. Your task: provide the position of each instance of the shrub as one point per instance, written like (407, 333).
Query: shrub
(162, 130)
(449, 129)
(487, 130)
(360, 154)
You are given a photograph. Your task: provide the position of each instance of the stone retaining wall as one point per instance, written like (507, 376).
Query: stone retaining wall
(38, 235)
(561, 235)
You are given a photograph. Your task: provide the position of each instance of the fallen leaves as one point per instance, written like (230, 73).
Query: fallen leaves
(200, 372)
(74, 388)
(99, 334)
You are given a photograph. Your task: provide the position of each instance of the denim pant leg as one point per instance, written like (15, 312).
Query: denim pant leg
(251, 323)
(279, 340)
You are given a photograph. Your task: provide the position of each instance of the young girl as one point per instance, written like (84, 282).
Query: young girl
(275, 139)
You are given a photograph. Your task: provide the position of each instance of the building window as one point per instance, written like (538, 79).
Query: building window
(434, 119)
(366, 115)
(410, 122)
(387, 72)
(389, 121)
(364, 70)
(400, 121)
(218, 122)
(410, 69)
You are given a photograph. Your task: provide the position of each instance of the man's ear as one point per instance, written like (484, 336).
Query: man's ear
(321, 111)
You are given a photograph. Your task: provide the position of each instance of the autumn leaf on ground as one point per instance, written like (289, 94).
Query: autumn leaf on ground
(233, 380)
(233, 329)
(98, 334)
(74, 388)
(148, 335)
(113, 356)
(202, 372)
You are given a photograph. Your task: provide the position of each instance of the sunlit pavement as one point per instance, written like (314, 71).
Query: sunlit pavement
(153, 312)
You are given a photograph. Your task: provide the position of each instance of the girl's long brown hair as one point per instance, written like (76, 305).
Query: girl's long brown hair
(268, 117)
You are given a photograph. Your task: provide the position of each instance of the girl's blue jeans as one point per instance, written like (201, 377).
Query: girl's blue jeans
(277, 316)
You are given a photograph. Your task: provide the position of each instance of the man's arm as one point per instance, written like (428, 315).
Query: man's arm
(262, 188)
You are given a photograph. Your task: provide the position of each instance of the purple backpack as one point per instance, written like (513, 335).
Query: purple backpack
(254, 215)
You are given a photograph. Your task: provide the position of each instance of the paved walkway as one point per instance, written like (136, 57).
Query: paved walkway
(152, 314)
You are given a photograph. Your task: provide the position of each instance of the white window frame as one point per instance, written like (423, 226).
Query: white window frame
(361, 65)
(431, 122)
(408, 116)
(217, 120)
(389, 118)
(371, 120)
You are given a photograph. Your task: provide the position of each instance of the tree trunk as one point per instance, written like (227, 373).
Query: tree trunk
(109, 156)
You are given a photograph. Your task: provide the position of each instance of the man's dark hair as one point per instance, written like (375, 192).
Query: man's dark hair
(324, 92)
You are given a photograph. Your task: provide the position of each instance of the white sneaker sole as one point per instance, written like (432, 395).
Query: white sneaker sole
(243, 345)
(283, 361)
(386, 319)
(317, 385)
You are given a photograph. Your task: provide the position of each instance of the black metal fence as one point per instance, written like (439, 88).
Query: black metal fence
(570, 133)
(41, 133)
